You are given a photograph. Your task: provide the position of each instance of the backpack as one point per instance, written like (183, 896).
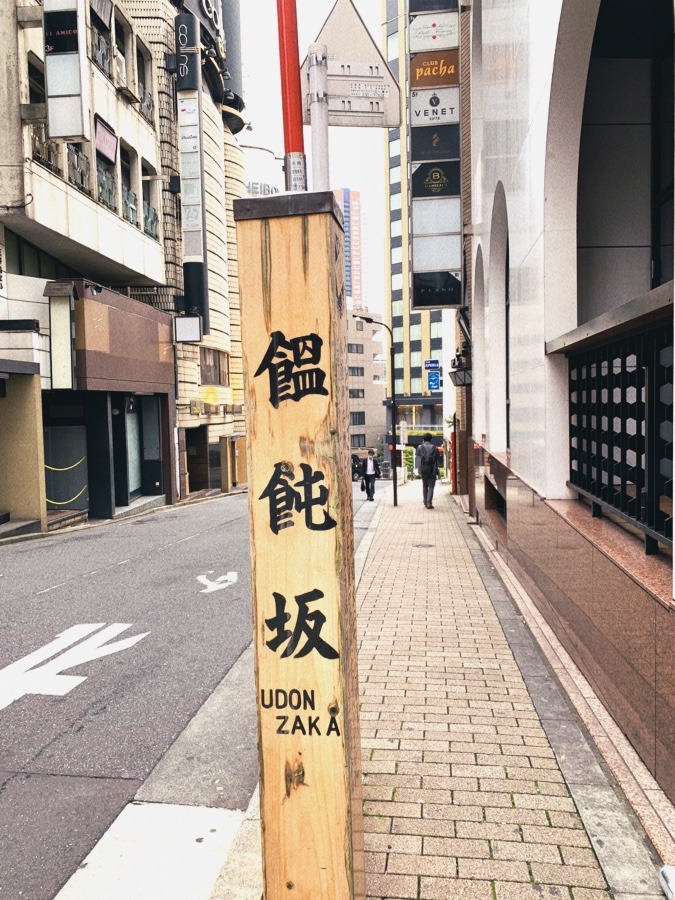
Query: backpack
(428, 459)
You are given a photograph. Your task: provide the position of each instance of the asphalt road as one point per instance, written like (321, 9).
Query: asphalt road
(113, 638)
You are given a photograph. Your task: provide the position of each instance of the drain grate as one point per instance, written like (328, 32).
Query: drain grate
(424, 545)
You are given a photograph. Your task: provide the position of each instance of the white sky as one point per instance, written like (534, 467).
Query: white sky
(356, 155)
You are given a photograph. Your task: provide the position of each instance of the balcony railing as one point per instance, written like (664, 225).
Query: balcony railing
(105, 183)
(147, 106)
(78, 168)
(129, 206)
(150, 220)
(44, 150)
(101, 50)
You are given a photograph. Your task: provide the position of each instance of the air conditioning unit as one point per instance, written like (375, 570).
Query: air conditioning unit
(120, 70)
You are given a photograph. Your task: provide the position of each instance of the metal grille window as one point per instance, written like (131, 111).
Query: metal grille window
(150, 220)
(621, 430)
(105, 183)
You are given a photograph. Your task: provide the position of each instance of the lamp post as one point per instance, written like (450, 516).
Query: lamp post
(394, 437)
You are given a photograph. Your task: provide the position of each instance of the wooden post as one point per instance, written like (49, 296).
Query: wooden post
(294, 333)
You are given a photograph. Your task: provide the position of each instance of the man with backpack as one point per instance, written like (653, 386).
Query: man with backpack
(426, 463)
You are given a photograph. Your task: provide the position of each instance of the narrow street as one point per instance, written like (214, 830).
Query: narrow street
(113, 636)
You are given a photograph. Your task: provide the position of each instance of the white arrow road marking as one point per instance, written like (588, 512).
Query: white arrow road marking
(22, 677)
(221, 582)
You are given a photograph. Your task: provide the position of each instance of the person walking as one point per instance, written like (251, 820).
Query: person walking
(370, 470)
(426, 463)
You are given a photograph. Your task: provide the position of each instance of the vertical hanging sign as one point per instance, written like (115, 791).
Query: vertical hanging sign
(188, 90)
(294, 337)
(435, 169)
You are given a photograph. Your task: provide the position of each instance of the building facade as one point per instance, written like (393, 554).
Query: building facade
(572, 334)
(79, 215)
(417, 332)
(94, 212)
(367, 385)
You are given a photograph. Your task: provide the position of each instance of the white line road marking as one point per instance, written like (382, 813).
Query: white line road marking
(218, 584)
(52, 588)
(21, 677)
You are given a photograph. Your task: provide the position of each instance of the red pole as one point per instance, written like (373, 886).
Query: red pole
(291, 97)
(453, 463)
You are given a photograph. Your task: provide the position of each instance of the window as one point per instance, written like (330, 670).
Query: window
(397, 308)
(355, 348)
(436, 329)
(416, 332)
(398, 385)
(396, 255)
(358, 440)
(395, 201)
(398, 335)
(416, 358)
(397, 282)
(356, 370)
(395, 229)
(214, 366)
(415, 385)
(359, 325)
(356, 393)
(150, 217)
(129, 197)
(105, 182)
(101, 45)
(357, 418)
(395, 177)
(392, 46)
(395, 148)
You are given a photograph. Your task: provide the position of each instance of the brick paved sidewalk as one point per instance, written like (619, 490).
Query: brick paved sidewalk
(464, 795)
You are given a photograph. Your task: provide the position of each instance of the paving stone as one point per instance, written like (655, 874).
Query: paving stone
(457, 889)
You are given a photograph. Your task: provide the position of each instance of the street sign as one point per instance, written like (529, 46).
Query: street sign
(432, 364)
(361, 89)
(434, 381)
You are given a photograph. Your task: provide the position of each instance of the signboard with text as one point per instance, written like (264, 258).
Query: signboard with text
(294, 334)
(434, 69)
(434, 114)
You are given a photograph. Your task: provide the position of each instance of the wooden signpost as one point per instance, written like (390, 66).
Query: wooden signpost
(294, 333)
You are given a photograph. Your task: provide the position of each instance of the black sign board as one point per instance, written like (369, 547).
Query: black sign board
(432, 289)
(60, 31)
(188, 60)
(428, 144)
(420, 6)
(441, 179)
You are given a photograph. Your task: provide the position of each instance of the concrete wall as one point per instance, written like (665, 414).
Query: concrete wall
(22, 474)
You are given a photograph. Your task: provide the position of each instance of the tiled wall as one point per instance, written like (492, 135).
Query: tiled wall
(617, 632)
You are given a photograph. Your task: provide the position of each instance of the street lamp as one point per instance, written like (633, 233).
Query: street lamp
(394, 437)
